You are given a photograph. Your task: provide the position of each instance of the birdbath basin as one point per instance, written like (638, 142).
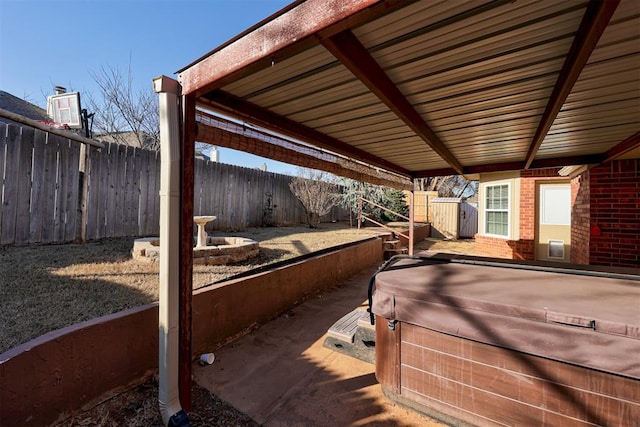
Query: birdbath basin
(201, 221)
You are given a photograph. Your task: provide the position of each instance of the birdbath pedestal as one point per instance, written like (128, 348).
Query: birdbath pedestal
(201, 221)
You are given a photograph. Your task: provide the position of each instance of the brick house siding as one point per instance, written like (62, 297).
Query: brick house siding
(605, 217)
(614, 214)
(580, 231)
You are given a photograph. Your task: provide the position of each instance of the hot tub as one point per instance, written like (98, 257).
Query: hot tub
(483, 342)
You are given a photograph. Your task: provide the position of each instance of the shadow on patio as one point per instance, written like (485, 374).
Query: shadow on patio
(280, 374)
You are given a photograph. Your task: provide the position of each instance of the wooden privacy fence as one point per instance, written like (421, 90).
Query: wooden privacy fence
(52, 192)
(39, 186)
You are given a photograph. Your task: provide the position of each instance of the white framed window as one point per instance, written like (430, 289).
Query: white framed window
(496, 210)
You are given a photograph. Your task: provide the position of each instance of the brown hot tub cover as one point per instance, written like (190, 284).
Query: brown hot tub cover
(587, 320)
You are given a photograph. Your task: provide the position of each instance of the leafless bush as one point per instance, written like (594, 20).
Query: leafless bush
(316, 190)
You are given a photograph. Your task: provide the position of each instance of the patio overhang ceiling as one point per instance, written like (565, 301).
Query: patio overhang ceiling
(427, 88)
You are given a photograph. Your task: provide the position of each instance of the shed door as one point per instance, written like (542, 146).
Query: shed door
(468, 220)
(553, 242)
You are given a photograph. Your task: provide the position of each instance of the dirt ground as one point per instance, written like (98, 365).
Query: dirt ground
(44, 288)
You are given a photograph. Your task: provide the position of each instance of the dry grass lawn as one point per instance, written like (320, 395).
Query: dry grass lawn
(44, 288)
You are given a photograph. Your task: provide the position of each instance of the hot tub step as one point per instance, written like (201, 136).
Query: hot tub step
(345, 328)
(352, 335)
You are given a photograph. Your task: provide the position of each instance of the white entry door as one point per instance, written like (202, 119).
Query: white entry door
(553, 234)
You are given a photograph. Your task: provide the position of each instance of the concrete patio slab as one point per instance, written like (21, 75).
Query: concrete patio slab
(281, 375)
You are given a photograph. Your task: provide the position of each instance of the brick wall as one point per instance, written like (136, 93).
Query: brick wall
(580, 212)
(497, 247)
(615, 214)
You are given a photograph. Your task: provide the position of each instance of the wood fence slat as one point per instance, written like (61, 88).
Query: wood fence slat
(124, 182)
(37, 183)
(10, 194)
(49, 188)
(93, 178)
(61, 189)
(3, 147)
(143, 157)
(121, 191)
(197, 190)
(150, 194)
(24, 186)
(137, 194)
(202, 188)
(105, 191)
(72, 195)
(112, 179)
(155, 194)
(132, 193)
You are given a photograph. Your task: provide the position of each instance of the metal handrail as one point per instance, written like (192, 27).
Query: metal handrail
(386, 227)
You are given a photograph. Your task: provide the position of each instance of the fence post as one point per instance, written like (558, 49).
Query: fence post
(85, 171)
(359, 211)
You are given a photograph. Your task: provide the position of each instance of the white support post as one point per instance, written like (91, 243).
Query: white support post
(411, 222)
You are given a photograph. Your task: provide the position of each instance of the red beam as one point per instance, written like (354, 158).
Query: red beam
(280, 36)
(266, 119)
(428, 173)
(352, 54)
(186, 249)
(623, 147)
(594, 22)
(516, 166)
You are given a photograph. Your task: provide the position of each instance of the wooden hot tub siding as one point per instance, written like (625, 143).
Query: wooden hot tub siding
(467, 382)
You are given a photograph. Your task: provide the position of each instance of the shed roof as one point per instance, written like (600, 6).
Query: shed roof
(447, 200)
(426, 88)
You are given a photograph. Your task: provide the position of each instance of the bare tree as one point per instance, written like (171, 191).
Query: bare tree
(448, 186)
(122, 114)
(316, 191)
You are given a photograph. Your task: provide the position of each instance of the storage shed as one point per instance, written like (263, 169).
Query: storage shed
(453, 218)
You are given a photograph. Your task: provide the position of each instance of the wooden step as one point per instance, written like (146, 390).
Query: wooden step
(391, 243)
(345, 328)
(403, 250)
(365, 322)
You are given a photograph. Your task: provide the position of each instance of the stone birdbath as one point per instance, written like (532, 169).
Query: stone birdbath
(201, 221)
(208, 250)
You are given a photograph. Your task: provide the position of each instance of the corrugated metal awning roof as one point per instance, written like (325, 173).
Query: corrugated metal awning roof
(425, 88)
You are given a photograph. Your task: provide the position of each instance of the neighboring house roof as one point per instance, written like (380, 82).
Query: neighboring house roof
(20, 106)
(126, 138)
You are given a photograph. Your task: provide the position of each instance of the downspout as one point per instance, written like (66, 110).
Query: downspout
(411, 220)
(168, 394)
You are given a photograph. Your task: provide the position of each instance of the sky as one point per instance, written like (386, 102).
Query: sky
(61, 43)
